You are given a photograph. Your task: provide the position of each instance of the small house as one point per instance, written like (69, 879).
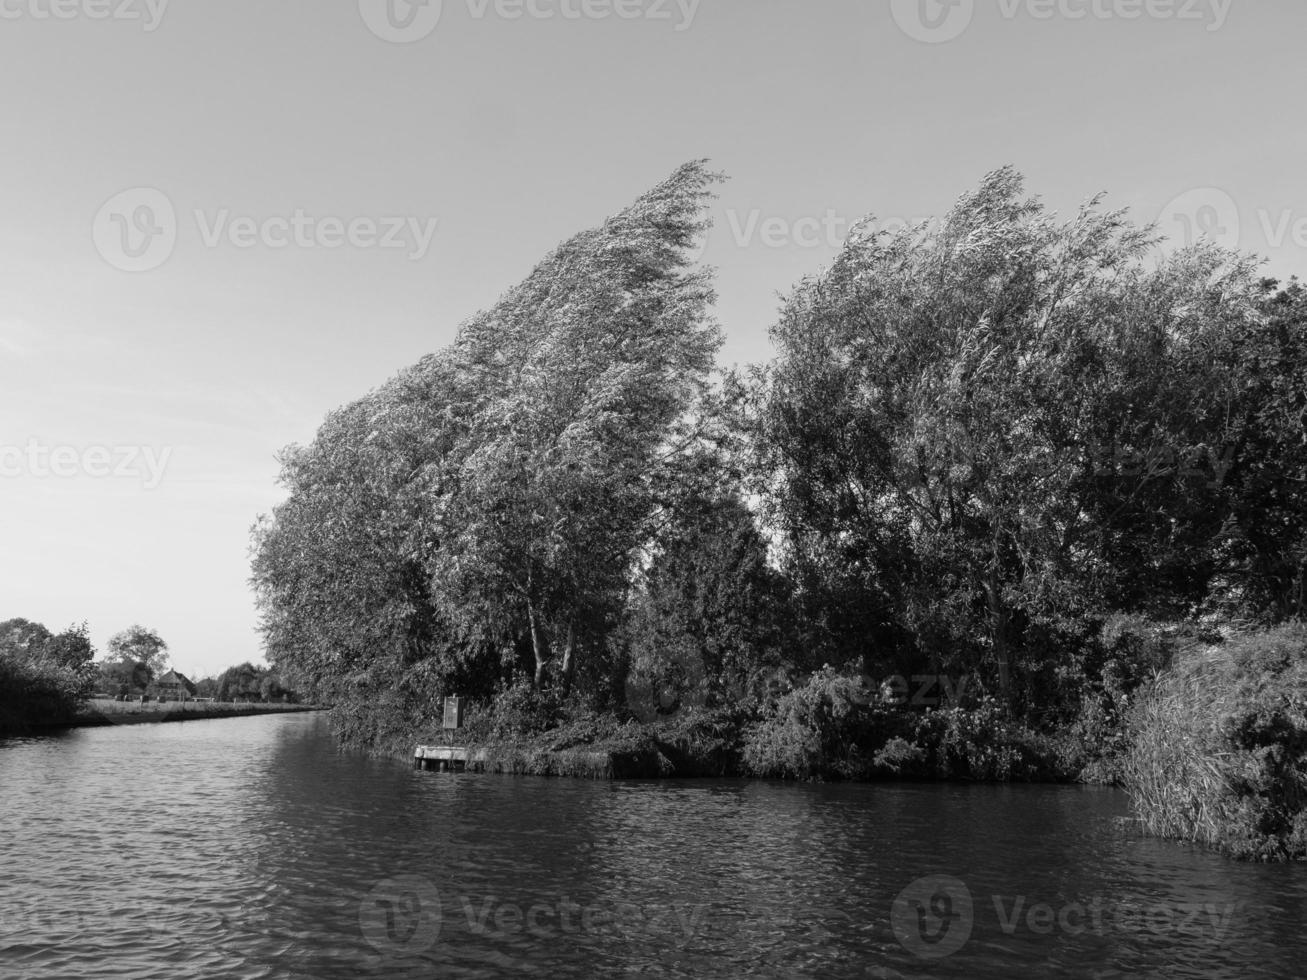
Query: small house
(175, 687)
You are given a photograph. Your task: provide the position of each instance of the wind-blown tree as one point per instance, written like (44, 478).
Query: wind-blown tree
(1261, 552)
(340, 568)
(931, 436)
(589, 371)
(481, 512)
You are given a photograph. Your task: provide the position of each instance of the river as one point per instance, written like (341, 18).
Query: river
(252, 848)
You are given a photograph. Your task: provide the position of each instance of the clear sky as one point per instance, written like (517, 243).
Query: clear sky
(314, 193)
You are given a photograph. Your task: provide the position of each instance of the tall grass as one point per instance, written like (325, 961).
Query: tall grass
(1219, 748)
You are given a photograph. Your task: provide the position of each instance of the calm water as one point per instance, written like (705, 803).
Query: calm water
(251, 848)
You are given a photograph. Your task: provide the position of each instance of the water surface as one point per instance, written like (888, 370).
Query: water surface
(250, 848)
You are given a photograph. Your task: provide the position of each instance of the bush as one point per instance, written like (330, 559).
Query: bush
(1219, 754)
(37, 691)
(831, 728)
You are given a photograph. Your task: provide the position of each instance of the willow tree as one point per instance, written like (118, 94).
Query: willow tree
(493, 498)
(961, 427)
(587, 377)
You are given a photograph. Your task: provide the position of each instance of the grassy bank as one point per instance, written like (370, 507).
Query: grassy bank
(1206, 728)
(99, 712)
(1219, 748)
(806, 737)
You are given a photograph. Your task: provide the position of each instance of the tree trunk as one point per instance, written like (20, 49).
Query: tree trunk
(538, 646)
(567, 660)
(998, 625)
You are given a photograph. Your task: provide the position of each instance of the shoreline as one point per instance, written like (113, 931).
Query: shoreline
(102, 714)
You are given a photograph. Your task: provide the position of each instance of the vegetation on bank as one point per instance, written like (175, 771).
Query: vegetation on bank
(1219, 747)
(99, 711)
(43, 675)
(1035, 459)
(49, 679)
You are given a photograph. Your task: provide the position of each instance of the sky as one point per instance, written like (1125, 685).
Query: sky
(221, 220)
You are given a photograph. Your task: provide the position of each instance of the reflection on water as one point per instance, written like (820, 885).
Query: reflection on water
(251, 848)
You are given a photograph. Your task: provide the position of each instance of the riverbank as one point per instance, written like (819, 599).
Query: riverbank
(886, 744)
(103, 712)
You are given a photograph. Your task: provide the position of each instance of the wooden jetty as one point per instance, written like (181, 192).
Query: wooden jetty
(449, 758)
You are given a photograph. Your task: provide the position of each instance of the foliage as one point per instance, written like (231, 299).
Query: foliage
(140, 645)
(833, 727)
(44, 677)
(973, 431)
(1219, 754)
(709, 618)
(1006, 447)
(246, 682)
(479, 515)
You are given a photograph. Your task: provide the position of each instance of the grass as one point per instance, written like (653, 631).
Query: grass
(101, 711)
(1218, 751)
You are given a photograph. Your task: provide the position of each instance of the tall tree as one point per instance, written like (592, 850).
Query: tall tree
(932, 433)
(484, 507)
(588, 373)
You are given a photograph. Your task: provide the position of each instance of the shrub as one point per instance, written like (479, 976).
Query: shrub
(1220, 747)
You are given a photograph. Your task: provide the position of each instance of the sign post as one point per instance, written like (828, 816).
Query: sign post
(453, 714)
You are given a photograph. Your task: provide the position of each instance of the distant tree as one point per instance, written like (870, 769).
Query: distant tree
(240, 683)
(23, 638)
(270, 688)
(140, 645)
(73, 650)
(124, 677)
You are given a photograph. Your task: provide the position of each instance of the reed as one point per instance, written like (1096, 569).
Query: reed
(1218, 750)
